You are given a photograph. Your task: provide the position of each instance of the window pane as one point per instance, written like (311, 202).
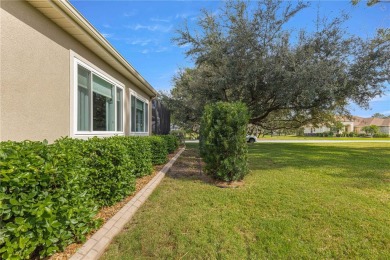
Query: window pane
(103, 105)
(132, 114)
(119, 107)
(139, 118)
(140, 105)
(102, 87)
(146, 117)
(83, 99)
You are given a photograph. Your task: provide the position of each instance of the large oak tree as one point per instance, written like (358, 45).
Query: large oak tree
(286, 78)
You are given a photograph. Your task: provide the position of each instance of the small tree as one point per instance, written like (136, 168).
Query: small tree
(223, 140)
(371, 129)
(337, 126)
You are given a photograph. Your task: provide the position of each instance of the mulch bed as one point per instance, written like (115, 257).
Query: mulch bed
(190, 165)
(108, 212)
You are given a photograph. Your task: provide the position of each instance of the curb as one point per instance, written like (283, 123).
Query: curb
(97, 244)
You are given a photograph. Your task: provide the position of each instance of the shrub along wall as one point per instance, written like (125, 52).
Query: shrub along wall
(159, 149)
(139, 150)
(172, 142)
(223, 140)
(49, 194)
(44, 206)
(180, 135)
(109, 168)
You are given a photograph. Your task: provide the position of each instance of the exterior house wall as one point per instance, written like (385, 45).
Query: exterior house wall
(314, 130)
(37, 76)
(348, 127)
(382, 129)
(34, 76)
(385, 129)
(351, 126)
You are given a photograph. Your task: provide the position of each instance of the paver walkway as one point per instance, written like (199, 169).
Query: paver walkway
(96, 245)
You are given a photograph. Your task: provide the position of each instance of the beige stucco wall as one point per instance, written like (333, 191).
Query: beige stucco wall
(1, 14)
(34, 75)
(35, 71)
(384, 129)
(314, 130)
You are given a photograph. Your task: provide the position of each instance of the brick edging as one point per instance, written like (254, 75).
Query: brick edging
(96, 245)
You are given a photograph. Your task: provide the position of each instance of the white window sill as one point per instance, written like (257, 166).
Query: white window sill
(97, 134)
(139, 133)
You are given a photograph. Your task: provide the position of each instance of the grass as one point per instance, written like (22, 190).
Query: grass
(294, 137)
(299, 201)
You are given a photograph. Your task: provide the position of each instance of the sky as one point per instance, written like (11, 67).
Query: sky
(142, 32)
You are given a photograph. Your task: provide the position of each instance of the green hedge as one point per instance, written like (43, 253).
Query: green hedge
(139, 149)
(180, 135)
(223, 140)
(172, 142)
(44, 206)
(159, 149)
(381, 135)
(50, 194)
(111, 171)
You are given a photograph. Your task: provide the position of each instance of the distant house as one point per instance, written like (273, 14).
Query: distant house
(355, 124)
(61, 77)
(383, 124)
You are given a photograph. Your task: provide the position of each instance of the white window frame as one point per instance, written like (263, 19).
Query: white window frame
(140, 98)
(111, 80)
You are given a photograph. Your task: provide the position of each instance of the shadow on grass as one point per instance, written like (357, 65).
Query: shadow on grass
(189, 167)
(341, 161)
(367, 166)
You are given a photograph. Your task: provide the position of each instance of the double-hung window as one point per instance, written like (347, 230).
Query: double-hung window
(99, 103)
(139, 115)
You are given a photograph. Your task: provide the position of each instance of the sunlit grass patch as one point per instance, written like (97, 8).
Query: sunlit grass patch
(299, 201)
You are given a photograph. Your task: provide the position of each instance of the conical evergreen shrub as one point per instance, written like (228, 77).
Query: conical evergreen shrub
(223, 140)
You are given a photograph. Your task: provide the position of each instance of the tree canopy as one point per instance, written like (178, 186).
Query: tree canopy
(380, 115)
(371, 129)
(286, 78)
(369, 2)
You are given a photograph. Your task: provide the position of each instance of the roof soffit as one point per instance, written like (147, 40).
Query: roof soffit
(68, 18)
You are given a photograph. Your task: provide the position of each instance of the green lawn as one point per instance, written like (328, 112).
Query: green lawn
(294, 137)
(299, 201)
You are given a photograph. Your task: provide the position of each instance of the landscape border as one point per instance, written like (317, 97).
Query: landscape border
(94, 247)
